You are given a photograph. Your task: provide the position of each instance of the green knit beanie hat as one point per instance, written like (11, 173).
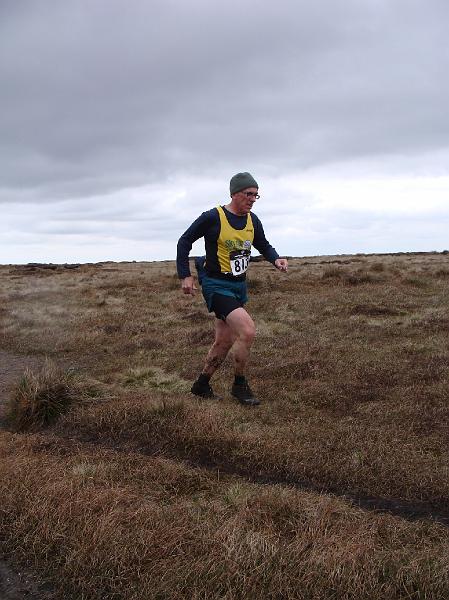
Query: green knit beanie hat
(241, 181)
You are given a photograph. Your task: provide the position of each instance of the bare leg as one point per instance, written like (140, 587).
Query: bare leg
(243, 330)
(223, 341)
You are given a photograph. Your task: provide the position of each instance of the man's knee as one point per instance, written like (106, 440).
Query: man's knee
(223, 338)
(247, 332)
(223, 344)
(242, 326)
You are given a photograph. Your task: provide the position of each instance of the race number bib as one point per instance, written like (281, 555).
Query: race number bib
(239, 261)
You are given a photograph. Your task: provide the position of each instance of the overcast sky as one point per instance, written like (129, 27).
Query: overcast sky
(120, 122)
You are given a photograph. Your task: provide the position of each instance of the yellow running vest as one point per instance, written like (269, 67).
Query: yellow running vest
(234, 245)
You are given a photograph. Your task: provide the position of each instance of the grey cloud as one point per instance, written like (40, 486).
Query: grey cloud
(121, 122)
(103, 95)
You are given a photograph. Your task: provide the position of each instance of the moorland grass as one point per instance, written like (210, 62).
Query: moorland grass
(145, 492)
(40, 398)
(119, 525)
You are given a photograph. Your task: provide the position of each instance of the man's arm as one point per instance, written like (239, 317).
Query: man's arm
(265, 248)
(281, 264)
(196, 230)
(188, 285)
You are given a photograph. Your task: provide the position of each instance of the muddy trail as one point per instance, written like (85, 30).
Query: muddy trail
(16, 584)
(410, 510)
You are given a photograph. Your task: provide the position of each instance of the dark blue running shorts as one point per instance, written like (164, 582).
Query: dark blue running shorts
(223, 296)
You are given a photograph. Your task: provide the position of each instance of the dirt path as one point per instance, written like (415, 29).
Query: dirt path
(15, 584)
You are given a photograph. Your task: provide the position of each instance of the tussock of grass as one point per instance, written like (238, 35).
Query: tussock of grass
(333, 272)
(377, 267)
(40, 398)
(442, 273)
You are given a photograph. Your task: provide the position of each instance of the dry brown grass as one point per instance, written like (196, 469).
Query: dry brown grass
(134, 527)
(146, 492)
(40, 398)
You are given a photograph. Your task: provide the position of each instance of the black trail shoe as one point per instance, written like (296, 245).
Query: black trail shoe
(244, 394)
(203, 390)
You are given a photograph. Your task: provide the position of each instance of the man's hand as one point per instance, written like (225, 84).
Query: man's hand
(188, 286)
(281, 264)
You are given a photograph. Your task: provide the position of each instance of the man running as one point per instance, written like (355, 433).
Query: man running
(229, 233)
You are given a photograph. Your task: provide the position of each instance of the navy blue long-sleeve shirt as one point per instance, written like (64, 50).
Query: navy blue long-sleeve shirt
(208, 226)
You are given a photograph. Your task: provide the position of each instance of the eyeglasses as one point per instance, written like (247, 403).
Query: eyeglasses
(254, 195)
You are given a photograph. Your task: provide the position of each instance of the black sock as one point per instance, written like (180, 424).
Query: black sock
(239, 379)
(203, 378)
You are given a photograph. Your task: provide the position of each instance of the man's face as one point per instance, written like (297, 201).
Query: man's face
(244, 200)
